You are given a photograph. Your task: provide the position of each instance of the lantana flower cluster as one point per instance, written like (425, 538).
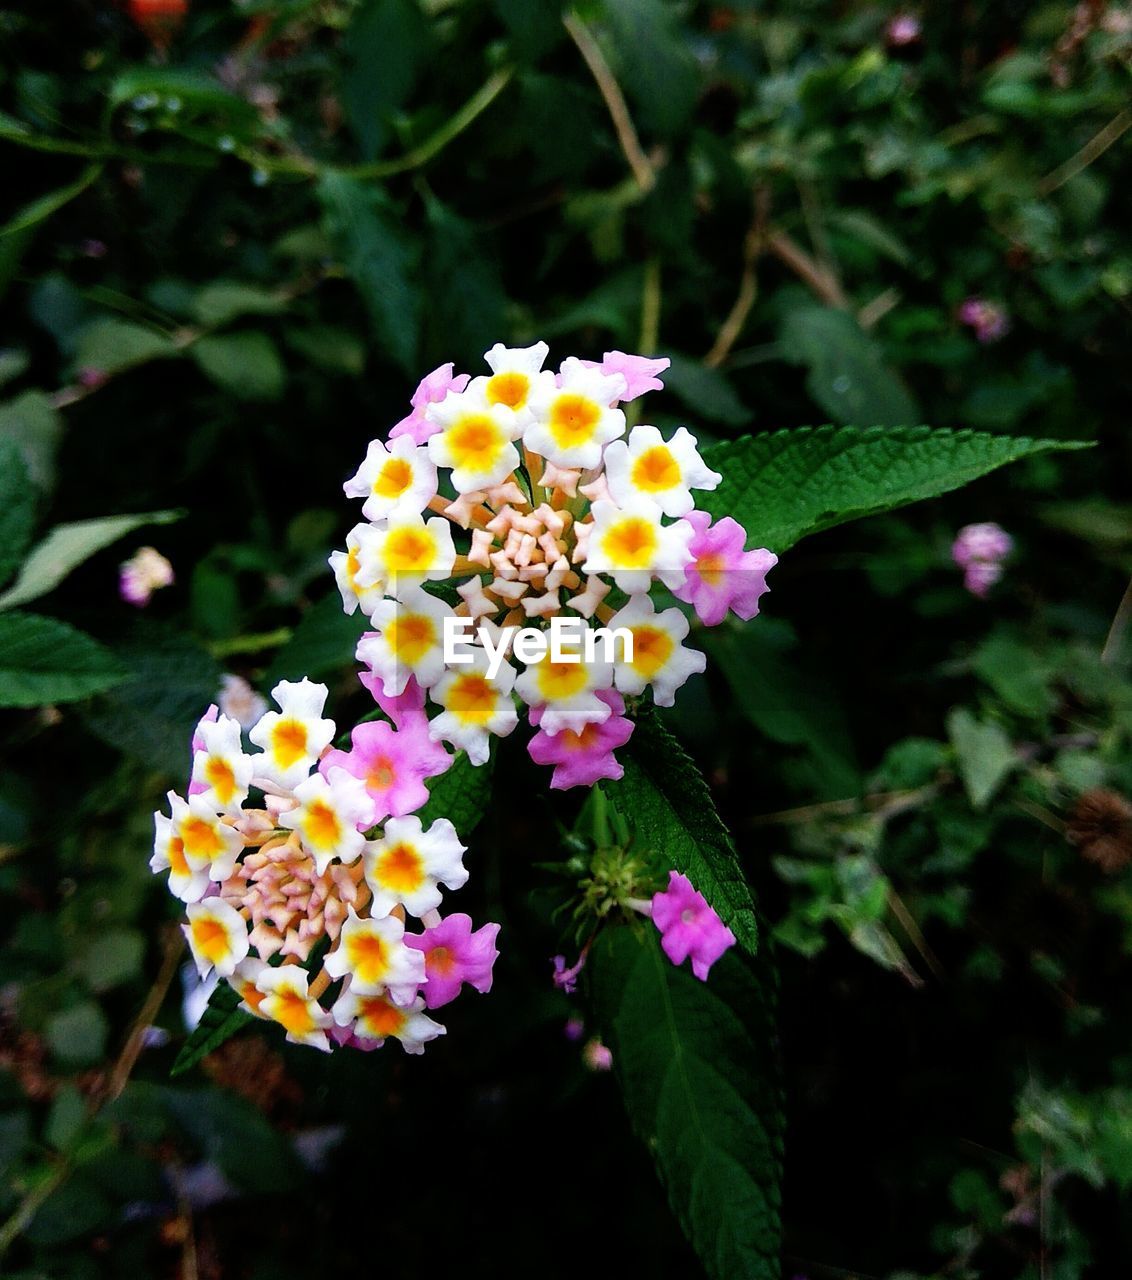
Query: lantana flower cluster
(519, 496)
(303, 869)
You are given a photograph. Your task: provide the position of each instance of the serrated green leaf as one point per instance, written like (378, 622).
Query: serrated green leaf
(696, 1065)
(67, 546)
(785, 485)
(669, 809)
(246, 365)
(984, 753)
(17, 508)
(460, 794)
(221, 1020)
(44, 661)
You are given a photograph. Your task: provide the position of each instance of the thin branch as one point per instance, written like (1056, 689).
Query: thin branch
(615, 103)
(135, 1040)
(822, 282)
(1097, 145)
(748, 293)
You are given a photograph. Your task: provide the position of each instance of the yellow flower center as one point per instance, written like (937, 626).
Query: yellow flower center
(393, 478)
(472, 699)
(558, 681)
(210, 939)
(573, 419)
(400, 868)
(381, 774)
(631, 543)
(409, 551)
(379, 1017)
(176, 855)
(508, 388)
(219, 776)
(322, 828)
(353, 565)
(652, 648)
(411, 636)
(250, 994)
(292, 1012)
(439, 962)
(201, 839)
(656, 470)
(476, 442)
(288, 742)
(368, 956)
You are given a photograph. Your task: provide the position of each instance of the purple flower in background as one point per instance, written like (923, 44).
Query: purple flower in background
(902, 29)
(989, 320)
(979, 550)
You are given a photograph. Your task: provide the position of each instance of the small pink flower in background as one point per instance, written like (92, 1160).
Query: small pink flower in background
(902, 29)
(91, 378)
(574, 1029)
(431, 390)
(145, 572)
(639, 372)
(979, 550)
(689, 926)
(722, 576)
(596, 1056)
(455, 955)
(240, 702)
(582, 758)
(989, 320)
(567, 979)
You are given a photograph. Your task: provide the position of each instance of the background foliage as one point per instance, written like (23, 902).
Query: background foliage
(230, 252)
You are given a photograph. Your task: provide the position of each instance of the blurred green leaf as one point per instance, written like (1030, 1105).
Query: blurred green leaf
(785, 485)
(324, 642)
(17, 508)
(221, 1020)
(385, 50)
(653, 51)
(78, 1035)
(330, 347)
(67, 546)
(113, 957)
(111, 346)
(223, 301)
(984, 753)
(77, 1208)
(669, 808)
(33, 424)
(230, 1131)
(66, 1119)
(695, 1062)
(43, 661)
(246, 365)
(708, 393)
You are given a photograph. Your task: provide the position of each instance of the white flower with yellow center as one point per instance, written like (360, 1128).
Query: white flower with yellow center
(573, 420)
(293, 737)
(407, 551)
(646, 466)
(408, 864)
(630, 543)
(347, 567)
(218, 936)
(243, 982)
(516, 374)
(329, 813)
(188, 876)
(567, 691)
(475, 440)
(221, 767)
(373, 954)
(376, 1019)
(205, 838)
(398, 476)
(287, 1001)
(408, 641)
(475, 706)
(659, 657)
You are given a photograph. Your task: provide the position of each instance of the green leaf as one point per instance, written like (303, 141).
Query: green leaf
(385, 47)
(331, 347)
(33, 423)
(655, 58)
(848, 376)
(984, 752)
(669, 808)
(246, 365)
(696, 1065)
(460, 794)
(112, 346)
(381, 259)
(707, 392)
(67, 546)
(169, 684)
(17, 508)
(785, 485)
(43, 661)
(232, 1132)
(225, 300)
(221, 1020)
(113, 957)
(322, 643)
(78, 1035)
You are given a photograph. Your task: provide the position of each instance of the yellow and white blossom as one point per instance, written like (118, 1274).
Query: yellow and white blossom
(188, 875)
(293, 737)
(475, 705)
(328, 815)
(243, 982)
(574, 420)
(373, 954)
(286, 1001)
(632, 545)
(221, 768)
(646, 466)
(659, 657)
(204, 836)
(407, 640)
(516, 375)
(407, 550)
(347, 567)
(376, 1018)
(399, 476)
(408, 864)
(218, 936)
(475, 439)
(567, 690)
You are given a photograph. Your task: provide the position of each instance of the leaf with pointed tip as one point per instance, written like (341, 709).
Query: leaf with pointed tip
(221, 1020)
